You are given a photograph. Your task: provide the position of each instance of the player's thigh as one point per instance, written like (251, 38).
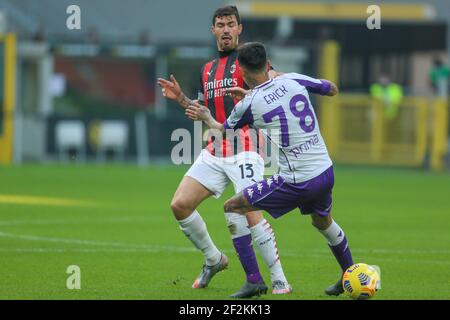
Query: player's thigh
(273, 195)
(209, 172)
(318, 193)
(190, 193)
(247, 169)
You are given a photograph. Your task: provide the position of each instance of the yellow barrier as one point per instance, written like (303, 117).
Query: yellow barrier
(356, 131)
(439, 143)
(8, 102)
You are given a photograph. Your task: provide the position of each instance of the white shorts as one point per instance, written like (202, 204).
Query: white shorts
(214, 173)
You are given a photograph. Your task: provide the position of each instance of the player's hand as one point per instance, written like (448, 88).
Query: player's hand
(194, 103)
(237, 93)
(197, 112)
(170, 89)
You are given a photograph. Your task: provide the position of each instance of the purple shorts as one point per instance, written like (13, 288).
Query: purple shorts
(278, 197)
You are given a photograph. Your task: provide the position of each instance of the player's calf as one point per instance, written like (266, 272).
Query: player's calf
(338, 245)
(189, 195)
(264, 238)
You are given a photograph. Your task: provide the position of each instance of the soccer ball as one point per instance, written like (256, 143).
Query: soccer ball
(361, 281)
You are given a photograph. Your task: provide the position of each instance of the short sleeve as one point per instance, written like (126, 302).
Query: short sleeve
(313, 85)
(240, 116)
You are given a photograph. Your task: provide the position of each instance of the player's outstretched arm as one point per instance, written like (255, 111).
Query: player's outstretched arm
(172, 90)
(196, 111)
(333, 89)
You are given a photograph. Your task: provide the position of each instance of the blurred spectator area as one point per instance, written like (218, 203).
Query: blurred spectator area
(404, 48)
(114, 81)
(117, 21)
(107, 70)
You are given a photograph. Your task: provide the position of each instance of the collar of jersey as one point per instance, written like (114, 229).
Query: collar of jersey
(263, 84)
(226, 53)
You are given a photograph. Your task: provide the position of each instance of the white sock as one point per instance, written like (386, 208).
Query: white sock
(237, 224)
(264, 238)
(195, 229)
(334, 234)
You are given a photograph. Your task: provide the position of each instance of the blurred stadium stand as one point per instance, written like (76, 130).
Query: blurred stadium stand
(107, 70)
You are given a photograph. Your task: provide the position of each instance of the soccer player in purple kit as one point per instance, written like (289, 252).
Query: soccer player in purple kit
(305, 178)
(217, 166)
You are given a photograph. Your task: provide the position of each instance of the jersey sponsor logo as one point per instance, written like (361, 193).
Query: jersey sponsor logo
(216, 88)
(297, 151)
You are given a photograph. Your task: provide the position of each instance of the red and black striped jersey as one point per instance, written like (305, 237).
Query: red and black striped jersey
(217, 75)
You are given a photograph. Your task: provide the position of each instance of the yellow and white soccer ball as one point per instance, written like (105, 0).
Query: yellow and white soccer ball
(361, 281)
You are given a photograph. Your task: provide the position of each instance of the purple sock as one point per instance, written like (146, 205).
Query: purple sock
(343, 254)
(244, 249)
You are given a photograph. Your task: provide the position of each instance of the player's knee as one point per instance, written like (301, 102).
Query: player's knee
(315, 224)
(321, 223)
(254, 217)
(181, 208)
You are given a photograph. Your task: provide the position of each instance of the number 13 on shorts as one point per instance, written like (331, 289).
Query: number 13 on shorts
(247, 170)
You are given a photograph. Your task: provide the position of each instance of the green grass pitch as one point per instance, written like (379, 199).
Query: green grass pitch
(121, 233)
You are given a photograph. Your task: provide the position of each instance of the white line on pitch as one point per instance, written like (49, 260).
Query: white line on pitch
(159, 248)
(7, 223)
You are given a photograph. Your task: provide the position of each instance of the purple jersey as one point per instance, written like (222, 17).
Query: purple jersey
(282, 105)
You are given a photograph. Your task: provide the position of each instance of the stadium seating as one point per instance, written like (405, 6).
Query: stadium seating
(113, 137)
(71, 137)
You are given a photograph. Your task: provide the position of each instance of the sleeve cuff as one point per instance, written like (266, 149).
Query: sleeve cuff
(226, 126)
(326, 87)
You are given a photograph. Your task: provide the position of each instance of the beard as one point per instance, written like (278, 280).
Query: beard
(228, 45)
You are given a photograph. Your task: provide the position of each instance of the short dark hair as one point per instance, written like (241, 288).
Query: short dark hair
(226, 11)
(252, 56)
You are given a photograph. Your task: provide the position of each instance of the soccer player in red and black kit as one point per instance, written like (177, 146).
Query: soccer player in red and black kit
(218, 164)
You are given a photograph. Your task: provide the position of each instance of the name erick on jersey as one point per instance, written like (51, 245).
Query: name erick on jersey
(217, 75)
(283, 104)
